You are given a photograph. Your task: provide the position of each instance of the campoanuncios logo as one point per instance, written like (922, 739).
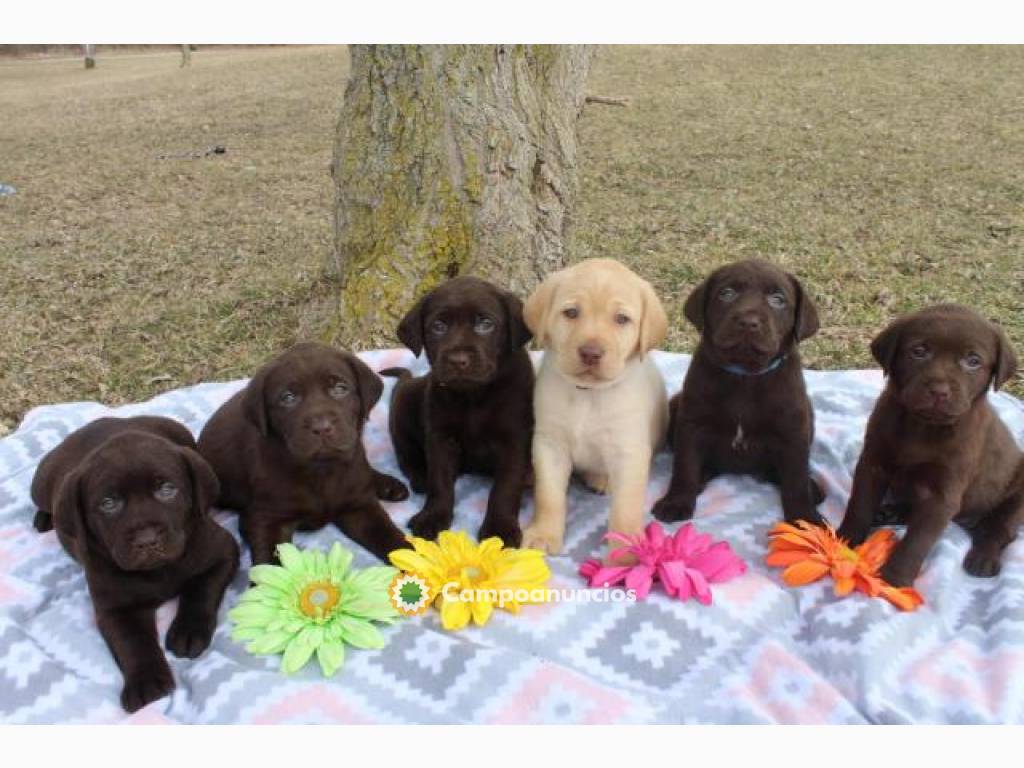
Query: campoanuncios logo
(410, 594)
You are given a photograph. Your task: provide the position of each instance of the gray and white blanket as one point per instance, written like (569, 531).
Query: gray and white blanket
(760, 653)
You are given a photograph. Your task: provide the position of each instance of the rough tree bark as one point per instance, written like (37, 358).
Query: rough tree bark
(451, 160)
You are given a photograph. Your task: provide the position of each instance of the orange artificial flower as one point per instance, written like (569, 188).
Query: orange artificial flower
(809, 552)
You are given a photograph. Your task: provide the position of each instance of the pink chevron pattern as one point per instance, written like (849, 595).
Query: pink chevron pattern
(785, 689)
(584, 701)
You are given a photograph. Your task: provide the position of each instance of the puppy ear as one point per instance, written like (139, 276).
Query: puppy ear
(254, 404)
(410, 330)
(1006, 359)
(205, 486)
(805, 317)
(693, 309)
(369, 383)
(654, 323)
(885, 344)
(537, 309)
(68, 515)
(518, 332)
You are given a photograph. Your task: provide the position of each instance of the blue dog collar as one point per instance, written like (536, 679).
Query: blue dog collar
(739, 370)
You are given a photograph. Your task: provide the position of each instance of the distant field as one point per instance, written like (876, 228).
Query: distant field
(886, 177)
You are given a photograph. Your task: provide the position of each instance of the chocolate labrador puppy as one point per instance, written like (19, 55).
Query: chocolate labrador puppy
(934, 444)
(130, 500)
(288, 451)
(473, 412)
(743, 407)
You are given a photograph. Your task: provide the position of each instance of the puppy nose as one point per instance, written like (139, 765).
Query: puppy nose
(591, 354)
(459, 360)
(749, 322)
(940, 391)
(321, 426)
(149, 537)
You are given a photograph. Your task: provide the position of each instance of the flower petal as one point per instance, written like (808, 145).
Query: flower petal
(804, 572)
(607, 575)
(904, 598)
(413, 561)
(454, 614)
(718, 563)
(252, 613)
(272, 575)
(640, 578)
(701, 590)
(269, 642)
(339, 560)
(296, 655)
(292, 559)
(358, 633)
(330, 655)
(481, 611)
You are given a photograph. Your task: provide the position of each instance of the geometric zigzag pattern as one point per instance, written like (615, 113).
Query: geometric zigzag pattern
(761, 653)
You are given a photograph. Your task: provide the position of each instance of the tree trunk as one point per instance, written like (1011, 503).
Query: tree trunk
(451, 160)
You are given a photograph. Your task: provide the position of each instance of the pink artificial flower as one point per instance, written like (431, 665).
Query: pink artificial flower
(686, 563)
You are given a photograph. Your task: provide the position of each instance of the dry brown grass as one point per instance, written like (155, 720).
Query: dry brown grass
(887, 177)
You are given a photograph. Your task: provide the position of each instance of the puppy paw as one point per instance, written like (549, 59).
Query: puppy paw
(189, 635)
(596, 481)
(672, 509)
(418, 483)
(623, 559)
(146, 687)
(810, 515)
(389, 488)
(817, 492)
(428, 522)
(43, 521)
(506, 530)
(983, 562)
(854, 535)
(898, 575)
(544, 539)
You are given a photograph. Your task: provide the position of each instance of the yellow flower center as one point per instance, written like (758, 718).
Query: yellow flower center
(846, 553)
(318, 599)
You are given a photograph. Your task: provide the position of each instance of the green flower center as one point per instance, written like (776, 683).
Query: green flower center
(410, 593)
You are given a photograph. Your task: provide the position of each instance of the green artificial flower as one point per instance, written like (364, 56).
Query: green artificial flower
(313, 603)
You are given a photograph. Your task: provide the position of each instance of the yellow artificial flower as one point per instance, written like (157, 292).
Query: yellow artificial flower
(492, 575)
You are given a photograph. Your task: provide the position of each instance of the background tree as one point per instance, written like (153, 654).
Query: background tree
(451, 160)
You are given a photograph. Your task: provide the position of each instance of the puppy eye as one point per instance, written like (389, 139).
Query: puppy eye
(622, 319)
(166, 491)
(571, 313)
(439, 327)
(288, 398)
(727, 294)
(338, 390)
(971, 362)
(483, 325)
(110, 505)
(919, 352)
(776, 300)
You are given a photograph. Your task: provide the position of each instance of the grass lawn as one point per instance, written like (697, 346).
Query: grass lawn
(885, 177)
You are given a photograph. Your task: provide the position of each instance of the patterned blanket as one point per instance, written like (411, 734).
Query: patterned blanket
(761, 653)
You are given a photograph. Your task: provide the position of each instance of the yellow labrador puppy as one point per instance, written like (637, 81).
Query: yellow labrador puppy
(599, 402)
